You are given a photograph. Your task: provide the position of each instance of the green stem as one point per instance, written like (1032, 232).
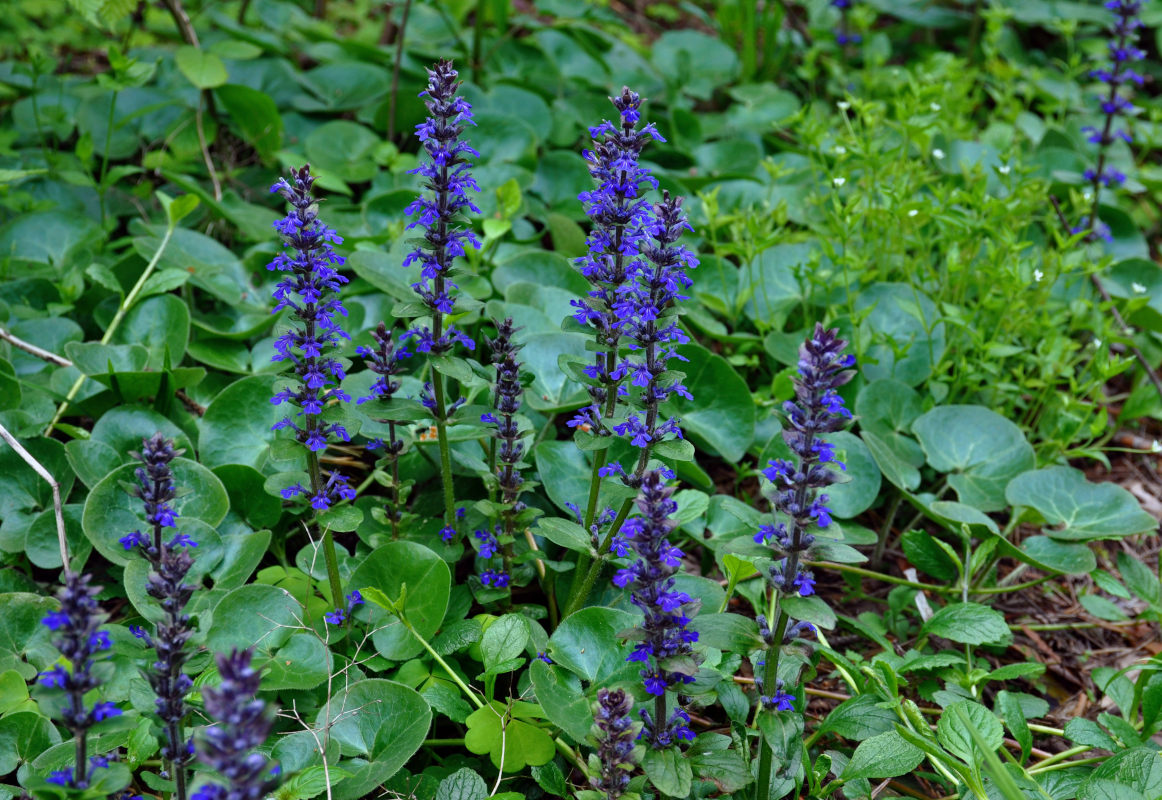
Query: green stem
(886, 530)
(581, 590)
(770, 676)
(329, 556)
(101, 188)
(126, 304)
(451, 673)
(445, 449)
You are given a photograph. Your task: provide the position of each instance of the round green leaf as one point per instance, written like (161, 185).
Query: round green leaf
(162, 324)
(586, 643)
(111, 512)
(564, 701)
(124, 427)
(236, 427)
(847, 500)
(389, 568)
(204, 70)
(21, 489)
(1080, 511)
(257, 615)
(907, 339)
(248, 497)
(982, 448)
(721, 417)
(22, 634)
(383, 722)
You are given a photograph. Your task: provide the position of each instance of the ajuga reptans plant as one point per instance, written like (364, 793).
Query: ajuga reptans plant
(170, 561)
(310, 289)
(241, 723)
(663, 641)
(1115, 104)
(619, 214)
(799, 506)
(505, 454)
(439, 211)
(384, 360)
(76, 625)
(611, 767)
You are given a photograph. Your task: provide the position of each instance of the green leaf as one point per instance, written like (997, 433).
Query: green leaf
(811, 609)
(22, 633)
(731, 632)
(382, 721)
(505, 639)
(669, 771)
(236, 426)
(162, 325)
(21, 489)
(256, 116)
(953, 732)
(257, 615)
(564, 471)
(726, 425)
(92, 358)
(510, 743)
(886, 755)
(859, 718)
(463, 784)
(983, 450)
(180, 207)
(908, 339)
(850, 499)
(111, 512)
(1014, 716)
(1140, 579)
(303, 663)
(968, 623)
(1069, 558)
(388, 569)
(925, 553)
(586, 644)
(1085, 731)
(204, 70)
(1080, 511)
(564, 532)
(564, 701)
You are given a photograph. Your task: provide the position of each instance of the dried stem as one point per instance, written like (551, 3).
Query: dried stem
(56, 491)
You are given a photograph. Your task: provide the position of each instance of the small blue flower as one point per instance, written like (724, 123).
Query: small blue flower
(61, 777)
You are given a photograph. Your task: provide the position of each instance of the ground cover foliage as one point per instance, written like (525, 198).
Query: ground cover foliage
(766, 428)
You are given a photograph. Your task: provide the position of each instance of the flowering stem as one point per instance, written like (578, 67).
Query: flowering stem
(329, 556)
(445, 447)
(394, 484)
(770, 675)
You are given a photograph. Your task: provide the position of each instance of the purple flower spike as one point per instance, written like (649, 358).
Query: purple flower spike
(79, 642)
(651, 582)
(310, 290)
(1114, 103)
(440, 211)
(170, 562)
(620, 216)
(241, 724)
(615, 739)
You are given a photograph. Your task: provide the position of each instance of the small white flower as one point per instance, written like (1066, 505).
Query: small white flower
(1004, 169)
(1097, 342)
(1156, 447)
(840, 149)
(843, 105)
(1087, 195)
(934, 106)
(1138, 288)
(1038, 275)
(913, 212)
(838, 182)
(938, 154)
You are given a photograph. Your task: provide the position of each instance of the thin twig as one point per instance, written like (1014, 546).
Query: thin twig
(182, 20)
(56, 490)
(205, 147)
(407, 7)
(1127, 331)
(32, 349)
